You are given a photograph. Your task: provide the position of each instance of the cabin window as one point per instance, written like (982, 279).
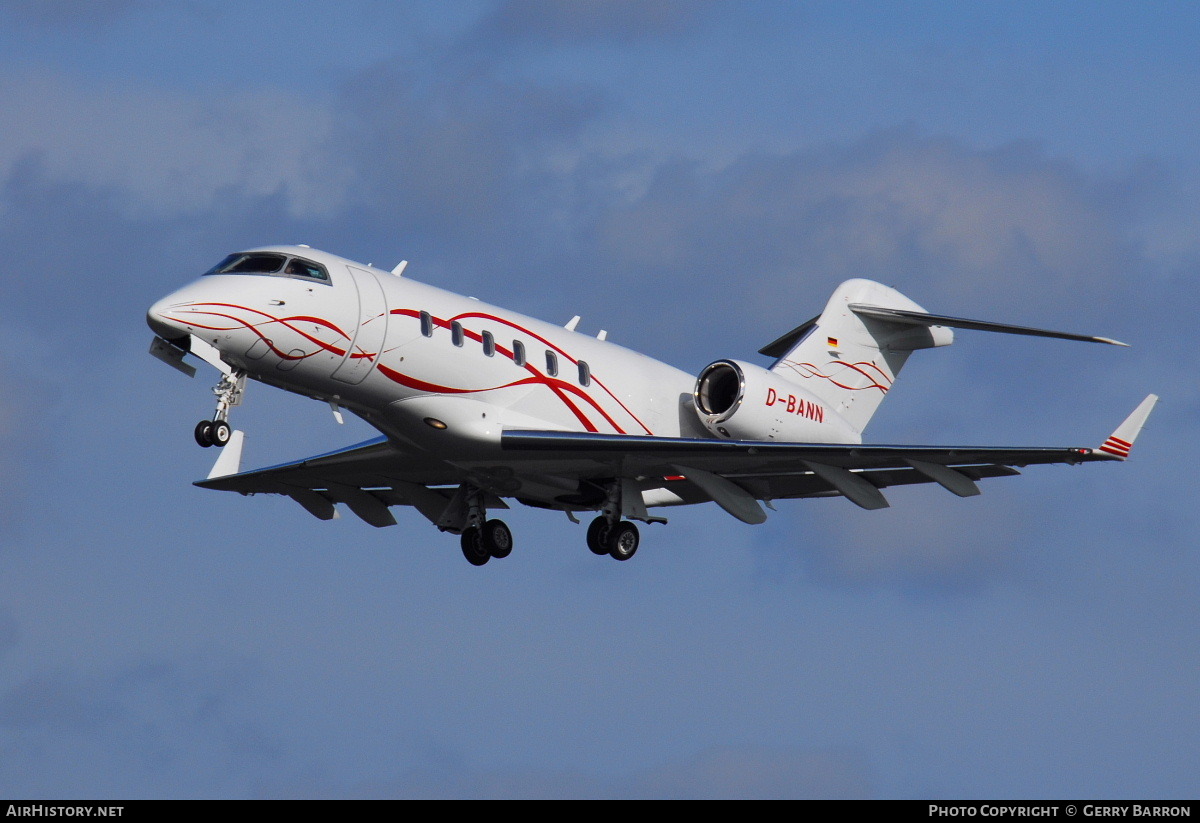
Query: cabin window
(518, 353)
(585, 374)
(456, 333)
(551, 363)
(426, 324)
(489, 344)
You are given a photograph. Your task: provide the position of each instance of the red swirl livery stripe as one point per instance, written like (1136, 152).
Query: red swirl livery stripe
(862, 367)
(286, 322)
(559, 387)
(573, 397)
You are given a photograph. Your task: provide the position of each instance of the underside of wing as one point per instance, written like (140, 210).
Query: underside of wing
(576, 471)
(773, 470)
(736, 474)
(367, 477)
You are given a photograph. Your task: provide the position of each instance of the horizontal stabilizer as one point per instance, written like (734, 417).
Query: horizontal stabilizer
(1121, 441)
(917, 318)
(782, 345)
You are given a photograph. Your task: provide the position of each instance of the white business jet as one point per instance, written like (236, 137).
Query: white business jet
(479, 405)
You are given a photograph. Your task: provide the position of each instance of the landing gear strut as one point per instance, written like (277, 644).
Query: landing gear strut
(483, 539)
(608, 533)
(216, 432)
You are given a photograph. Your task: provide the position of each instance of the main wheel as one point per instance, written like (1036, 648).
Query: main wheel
(597, 535)
(204, 433)
(472, 546)
(220, 433)
(497, 539)
(623, 540)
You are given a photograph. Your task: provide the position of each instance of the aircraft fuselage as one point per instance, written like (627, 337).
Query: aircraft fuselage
(433, 368)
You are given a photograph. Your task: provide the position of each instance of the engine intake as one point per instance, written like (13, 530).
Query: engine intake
(719, 388)
(743, 401)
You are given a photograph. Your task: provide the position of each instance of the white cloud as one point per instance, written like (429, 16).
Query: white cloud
(165, 153)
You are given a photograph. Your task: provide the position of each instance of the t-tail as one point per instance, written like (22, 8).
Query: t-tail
(851, 354)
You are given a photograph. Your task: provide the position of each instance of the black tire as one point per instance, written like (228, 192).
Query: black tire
(220, 433)
(623, 540)
(497, 538)
(203, 433)
(597, 535)
(472, 547)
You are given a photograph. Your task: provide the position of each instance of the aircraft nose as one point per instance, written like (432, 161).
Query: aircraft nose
(162, 321)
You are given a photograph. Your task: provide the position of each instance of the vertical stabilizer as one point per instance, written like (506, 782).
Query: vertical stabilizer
(851, 361)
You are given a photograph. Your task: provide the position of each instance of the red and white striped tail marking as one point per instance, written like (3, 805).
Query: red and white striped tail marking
(1117, 446)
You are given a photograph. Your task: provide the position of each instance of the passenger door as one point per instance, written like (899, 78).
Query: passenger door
(367, 343)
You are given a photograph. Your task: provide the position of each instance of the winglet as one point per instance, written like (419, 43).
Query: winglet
(229, 461)
(1121, 441)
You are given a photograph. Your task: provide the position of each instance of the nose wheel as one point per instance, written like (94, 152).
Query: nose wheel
(216, 432)
(213, 433)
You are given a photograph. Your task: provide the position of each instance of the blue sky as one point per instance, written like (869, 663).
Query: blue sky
(695, 178)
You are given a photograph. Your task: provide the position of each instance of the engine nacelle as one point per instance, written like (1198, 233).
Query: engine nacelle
(742, 401)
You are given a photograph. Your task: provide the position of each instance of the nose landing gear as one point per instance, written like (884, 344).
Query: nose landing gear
(212, 433)
(229, 391)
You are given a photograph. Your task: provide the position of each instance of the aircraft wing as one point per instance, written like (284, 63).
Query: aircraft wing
(737, 473)
(368, 477)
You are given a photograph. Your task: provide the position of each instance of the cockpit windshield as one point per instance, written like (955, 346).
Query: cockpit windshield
(270, 263)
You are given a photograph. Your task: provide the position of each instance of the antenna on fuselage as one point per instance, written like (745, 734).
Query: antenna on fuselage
(572, 323)
(399, 270)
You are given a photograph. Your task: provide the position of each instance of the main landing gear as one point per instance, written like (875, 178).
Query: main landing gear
(481, 543)
(483, 539)
(618, 540)
(608, 533)
(216, 432)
